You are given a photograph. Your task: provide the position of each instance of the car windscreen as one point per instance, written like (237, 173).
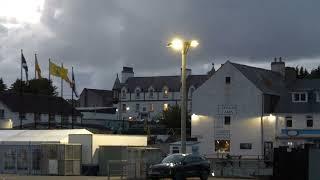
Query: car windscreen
(175, 158)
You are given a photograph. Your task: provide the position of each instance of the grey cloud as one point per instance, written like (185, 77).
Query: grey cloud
(99, 37)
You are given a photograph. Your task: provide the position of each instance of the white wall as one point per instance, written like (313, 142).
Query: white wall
(240, 99)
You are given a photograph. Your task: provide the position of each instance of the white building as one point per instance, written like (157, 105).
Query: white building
(247, 111)
(36, 111)
(144, 98)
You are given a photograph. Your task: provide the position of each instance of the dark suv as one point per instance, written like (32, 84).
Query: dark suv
(180, 166)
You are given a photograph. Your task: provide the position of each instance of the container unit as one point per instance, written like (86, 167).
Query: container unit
(139, 159)
(112, 160)
(61, 159)
(20, 159)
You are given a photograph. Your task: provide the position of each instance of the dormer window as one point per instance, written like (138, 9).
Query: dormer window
(138, 93)
(300, 97)
(123, 93)
(165, 92)
(151, 91)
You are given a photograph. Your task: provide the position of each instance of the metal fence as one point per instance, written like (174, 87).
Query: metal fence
(123, 169)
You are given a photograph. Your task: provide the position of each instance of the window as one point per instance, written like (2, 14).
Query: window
(222, 145)
(151, 108)
(52, 118)
(300, 97)
(144, 109)
(137, 107)
(37, 117)
(22, 162)
(228, 80)
(227, 120)
(124, 107)
(318, 96)
(165, 92)
(309, 121)
(165, 106)
(36, 157)
(151, 91)
(10, 159)
(123, 94)
(245, 146)
(289, 121)
(22, 115)
(1, 113)
(137, 93)
(64, 119)
(175, 149)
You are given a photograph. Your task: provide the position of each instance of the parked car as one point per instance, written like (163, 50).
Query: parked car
(180, 166)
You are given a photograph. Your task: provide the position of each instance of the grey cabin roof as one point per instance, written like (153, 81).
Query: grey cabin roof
(30, 103)
(159, 82)
(269, 82)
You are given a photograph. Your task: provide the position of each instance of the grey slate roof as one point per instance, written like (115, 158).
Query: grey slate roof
(30, 103)
(159, 82)
(269, 82)
(305, 84)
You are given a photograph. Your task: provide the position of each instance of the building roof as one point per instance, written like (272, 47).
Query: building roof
(159, 82)
(117, 84)
(31, 103)
(38, 136)
(305, 84)
(269, 82)
(106, 95)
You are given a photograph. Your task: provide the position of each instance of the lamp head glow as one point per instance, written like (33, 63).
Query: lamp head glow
(194, 43)
(176, 44)
(128, 108)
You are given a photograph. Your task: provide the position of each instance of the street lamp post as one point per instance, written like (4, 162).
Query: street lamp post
(183, 47)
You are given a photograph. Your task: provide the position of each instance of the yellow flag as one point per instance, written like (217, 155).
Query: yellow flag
(54, 69)
(37, 67)
(64, 74)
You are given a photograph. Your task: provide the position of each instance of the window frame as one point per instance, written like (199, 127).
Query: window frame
(137, 93)
(309, 118)
(137, 107)
(294, 96)
(151, 93)
(151, 107)
(124, 107)
(123, 93)
(289, 119)
(246, 146)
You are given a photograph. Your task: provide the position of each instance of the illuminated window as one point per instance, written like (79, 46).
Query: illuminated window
(165, 92)
(222, 145)
(165, 106)
(151, 108)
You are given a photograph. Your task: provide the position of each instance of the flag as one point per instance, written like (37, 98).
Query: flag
(24, 65)
(64, 74)
(73, 85)
(37, 67)
(59, 71)
(54, 69)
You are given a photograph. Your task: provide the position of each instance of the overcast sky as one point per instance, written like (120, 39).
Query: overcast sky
(98, 37)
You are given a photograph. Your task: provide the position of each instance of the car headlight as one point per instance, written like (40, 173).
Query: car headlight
(171, 164)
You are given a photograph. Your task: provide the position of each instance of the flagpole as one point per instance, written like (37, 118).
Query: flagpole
(72, 113)
(35, 74)
(49, 123)
(61, 81)
(21, 92)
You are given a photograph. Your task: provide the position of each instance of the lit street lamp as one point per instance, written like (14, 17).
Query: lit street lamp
(183, 46)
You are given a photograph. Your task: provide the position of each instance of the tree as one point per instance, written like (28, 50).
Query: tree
(3, 87)
(172, 117)
(315, 73)
(35, 86)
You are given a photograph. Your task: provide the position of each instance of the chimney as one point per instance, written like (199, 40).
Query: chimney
(278, 66)
(127, 72)
(212, 71)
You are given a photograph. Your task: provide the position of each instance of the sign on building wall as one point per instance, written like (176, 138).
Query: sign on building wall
(227, 109)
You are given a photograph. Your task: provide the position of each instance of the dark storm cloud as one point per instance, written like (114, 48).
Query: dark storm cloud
(99, 37)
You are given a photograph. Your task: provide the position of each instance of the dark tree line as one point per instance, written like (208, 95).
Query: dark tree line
(35, 86)
(303, 73)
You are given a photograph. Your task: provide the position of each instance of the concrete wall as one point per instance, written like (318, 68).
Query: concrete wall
(241, 100)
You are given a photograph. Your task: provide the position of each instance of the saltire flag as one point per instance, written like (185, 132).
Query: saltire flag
(24, 65)
(73, 85)
(37, 67)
